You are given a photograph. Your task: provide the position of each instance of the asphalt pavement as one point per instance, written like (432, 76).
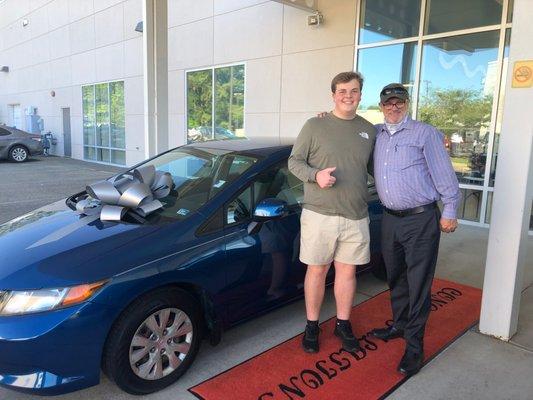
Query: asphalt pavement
(43, 180)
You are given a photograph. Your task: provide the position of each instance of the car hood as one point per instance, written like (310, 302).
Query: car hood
(55, 247)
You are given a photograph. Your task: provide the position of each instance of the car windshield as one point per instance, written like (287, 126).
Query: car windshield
(198, 175)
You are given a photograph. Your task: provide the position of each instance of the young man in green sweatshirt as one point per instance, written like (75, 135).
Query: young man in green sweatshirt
(331, 156)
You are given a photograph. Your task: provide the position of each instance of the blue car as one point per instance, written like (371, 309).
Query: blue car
(133, 288)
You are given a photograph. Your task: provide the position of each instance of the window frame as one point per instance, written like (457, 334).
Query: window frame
(95, 147)
(421, 39)
(212, 69)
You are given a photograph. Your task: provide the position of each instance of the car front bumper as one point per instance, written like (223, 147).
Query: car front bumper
(55, 352)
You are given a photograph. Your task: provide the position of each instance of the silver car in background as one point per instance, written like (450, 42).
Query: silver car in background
(17, 145)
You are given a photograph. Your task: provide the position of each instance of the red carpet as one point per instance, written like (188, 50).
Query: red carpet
(286, 372)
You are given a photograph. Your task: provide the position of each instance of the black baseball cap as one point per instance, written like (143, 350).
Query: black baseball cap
(393, 90)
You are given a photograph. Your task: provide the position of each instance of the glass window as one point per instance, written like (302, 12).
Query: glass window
(4, 132)
(88, 115)
(456, 97)
(199, 105)
(470, 204)
(229, 101)
(381, 66)
(277, 182)
(240, 208)
(387, 20)
(89, 153)
(499, 114)
(116, 98)
(104, 123)
(198, 175)
(452, 15)
(510, 11)
(218, 115)
(102, 114)
(489, 207)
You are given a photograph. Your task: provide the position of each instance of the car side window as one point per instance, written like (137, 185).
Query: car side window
(4, 132)
(277, 182)
(240, 208)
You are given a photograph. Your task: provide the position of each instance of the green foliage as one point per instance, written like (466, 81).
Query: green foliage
(199, 85)
(228, 98)
(456, 110)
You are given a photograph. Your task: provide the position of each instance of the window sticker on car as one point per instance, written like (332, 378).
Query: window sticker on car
(219, 183)
(183, 211)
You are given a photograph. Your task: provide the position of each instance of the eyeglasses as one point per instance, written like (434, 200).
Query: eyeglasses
(396, 90)
(399, 105)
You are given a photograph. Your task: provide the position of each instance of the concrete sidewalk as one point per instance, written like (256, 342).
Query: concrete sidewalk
(473, 367)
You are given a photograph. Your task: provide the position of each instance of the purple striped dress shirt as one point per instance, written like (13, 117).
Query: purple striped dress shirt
(412, 168)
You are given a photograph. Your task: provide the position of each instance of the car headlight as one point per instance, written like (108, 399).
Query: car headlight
(31, 301)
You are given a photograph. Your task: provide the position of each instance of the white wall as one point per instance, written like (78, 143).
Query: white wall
(67, 44)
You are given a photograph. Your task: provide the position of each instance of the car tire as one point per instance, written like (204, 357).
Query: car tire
(143, 354)
(18, 153)
(378, 268)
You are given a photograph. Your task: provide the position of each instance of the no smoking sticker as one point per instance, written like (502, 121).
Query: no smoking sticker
(523, 74)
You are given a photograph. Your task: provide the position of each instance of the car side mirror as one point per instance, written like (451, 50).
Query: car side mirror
(271, 208)
(267, 210)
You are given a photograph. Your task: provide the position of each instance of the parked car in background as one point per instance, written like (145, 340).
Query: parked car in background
(135, 297)
(17, 145)
(204, 133)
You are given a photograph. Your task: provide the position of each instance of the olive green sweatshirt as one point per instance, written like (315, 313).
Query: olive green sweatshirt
(335, 142)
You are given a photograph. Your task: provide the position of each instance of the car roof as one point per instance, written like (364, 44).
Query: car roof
(262, 144)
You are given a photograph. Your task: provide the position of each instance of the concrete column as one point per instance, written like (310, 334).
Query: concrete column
(507, 246)
(155, 67)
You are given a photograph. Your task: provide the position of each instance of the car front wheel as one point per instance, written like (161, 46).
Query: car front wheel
(18, 154)
(153, 342)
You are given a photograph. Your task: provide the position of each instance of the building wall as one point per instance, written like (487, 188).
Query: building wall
(67, 44)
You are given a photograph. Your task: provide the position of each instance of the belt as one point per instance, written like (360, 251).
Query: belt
(411, 211)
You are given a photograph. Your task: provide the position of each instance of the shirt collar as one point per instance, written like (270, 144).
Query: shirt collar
(407, 123)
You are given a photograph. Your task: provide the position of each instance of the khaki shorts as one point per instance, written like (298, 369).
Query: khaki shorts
(326, 238)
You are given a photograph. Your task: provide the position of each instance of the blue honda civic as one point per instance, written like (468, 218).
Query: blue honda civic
(130, 275)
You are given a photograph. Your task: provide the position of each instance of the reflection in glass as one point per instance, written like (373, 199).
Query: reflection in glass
(489, 208)
(116, 97)
(89, 153)
(104, 122)
(199, 104)
(88, 114)
(400, 67)
(510, 11)
(118, 157)
(102, 155)
(470, 204)
(452, 15)
(229, 102)
(226, 120)
(102, 114)
(499, 114)
(456, 91)
(387, 20)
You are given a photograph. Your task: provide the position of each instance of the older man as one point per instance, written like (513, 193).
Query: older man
(412, 171)
(330, 156)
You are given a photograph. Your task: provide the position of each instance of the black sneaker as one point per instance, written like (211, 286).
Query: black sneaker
(310, 339)
(344, 332)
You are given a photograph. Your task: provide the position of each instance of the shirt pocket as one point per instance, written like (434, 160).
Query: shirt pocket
(407, 155)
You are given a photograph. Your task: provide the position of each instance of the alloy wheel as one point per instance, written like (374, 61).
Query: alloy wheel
(19, 154)
(161, 343)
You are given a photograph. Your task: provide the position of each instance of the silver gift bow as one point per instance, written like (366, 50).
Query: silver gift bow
(138, 192)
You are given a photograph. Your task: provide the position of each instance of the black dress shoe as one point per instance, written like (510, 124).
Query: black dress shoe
(310, 339)
(411, 363)
(345, 333)
(387, 333)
